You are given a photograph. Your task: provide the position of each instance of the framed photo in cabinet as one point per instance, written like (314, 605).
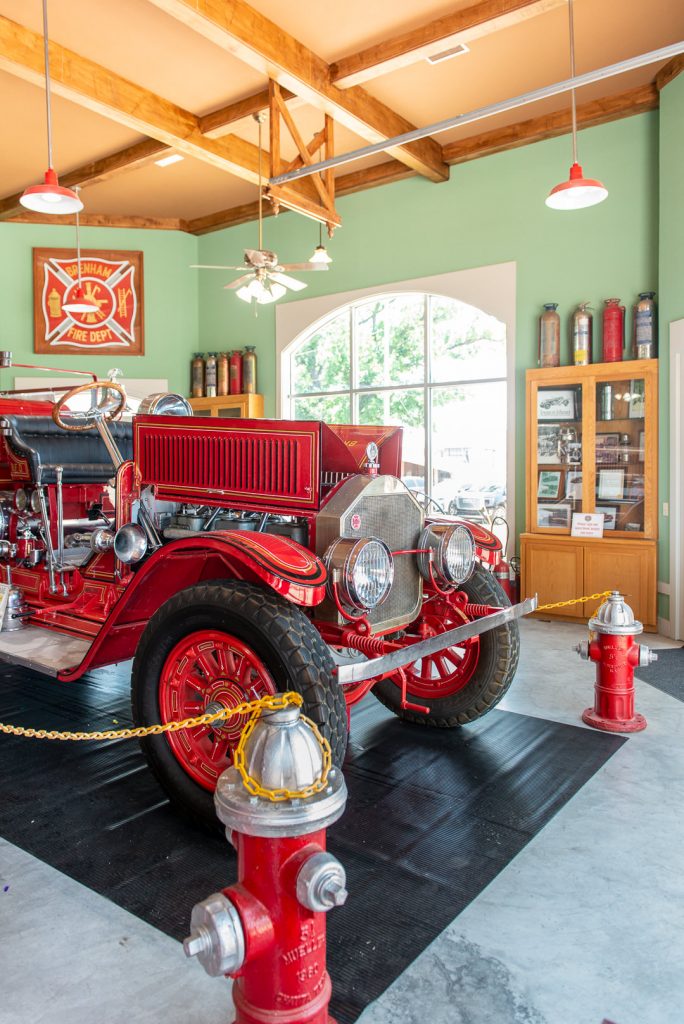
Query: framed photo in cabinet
(549, 484)
(556, 405)
(611, 484)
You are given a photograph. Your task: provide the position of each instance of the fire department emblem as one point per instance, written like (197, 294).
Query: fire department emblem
(112, 283)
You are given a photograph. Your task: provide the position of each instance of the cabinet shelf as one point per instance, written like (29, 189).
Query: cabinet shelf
(555, 564)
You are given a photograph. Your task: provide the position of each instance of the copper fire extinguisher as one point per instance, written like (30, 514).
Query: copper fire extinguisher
(197, 379)
(613, 331)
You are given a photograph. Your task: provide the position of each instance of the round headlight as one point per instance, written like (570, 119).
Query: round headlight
(451, 548)
(21, 500)
(34, 501)
(363, 570)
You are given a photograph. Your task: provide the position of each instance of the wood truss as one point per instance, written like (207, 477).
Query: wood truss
(323, 209)
(293, 71)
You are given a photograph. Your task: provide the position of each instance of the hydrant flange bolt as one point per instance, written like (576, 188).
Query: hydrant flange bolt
(216, 937)
(321, 883)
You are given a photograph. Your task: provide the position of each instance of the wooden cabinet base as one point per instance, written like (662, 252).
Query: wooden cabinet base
(243, 407)
(559, 568)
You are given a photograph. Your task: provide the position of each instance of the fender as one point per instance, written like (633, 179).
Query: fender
(281, 564)
(488, 547)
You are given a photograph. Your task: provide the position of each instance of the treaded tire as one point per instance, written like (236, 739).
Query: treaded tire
(277, 631)
(496, 667)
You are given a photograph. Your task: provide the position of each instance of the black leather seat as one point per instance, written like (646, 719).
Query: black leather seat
(83, 456)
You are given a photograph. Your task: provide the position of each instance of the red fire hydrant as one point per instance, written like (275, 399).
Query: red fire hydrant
(611, 645)
(268, 931)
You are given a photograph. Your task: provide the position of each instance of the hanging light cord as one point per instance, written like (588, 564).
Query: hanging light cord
(48, 106)
(261, 242)
(77, 190)
(572, 75)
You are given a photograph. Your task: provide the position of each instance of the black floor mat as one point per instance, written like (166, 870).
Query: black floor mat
(667, 673)
(432, 817)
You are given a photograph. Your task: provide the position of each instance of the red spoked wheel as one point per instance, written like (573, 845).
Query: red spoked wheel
(205, 672)
(458, 684)
(445, 673)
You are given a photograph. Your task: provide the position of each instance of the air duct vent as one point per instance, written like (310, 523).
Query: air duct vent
(453, 51)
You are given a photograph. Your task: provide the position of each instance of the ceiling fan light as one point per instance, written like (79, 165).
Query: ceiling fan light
(320, 255)
(577, 192)
(271, 294)
(79, 303)
(50, 197)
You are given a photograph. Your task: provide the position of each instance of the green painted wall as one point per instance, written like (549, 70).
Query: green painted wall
(171, 313)
(492, 210)
(671, 282)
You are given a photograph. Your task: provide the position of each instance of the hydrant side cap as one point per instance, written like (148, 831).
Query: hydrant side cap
(615, 617)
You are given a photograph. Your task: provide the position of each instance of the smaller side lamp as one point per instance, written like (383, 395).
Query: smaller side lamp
(320, 253)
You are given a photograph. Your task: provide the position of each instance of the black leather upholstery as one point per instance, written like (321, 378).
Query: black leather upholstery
(83, 456)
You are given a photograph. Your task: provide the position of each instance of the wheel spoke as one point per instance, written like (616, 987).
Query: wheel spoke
(207, 665)
(219, 748)
(196, 683)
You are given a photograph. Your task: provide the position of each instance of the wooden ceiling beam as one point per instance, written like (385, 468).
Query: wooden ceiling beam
(104, 220)
(247, 34)
(217, 123)
(103, 92)
(97, 171)
(463, 26)
(523, 133)
(669, 71)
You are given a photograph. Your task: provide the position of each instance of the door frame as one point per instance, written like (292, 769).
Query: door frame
(676, 480)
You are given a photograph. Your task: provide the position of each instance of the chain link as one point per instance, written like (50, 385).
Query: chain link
(278, 795)
(575, 600)
(274, 702)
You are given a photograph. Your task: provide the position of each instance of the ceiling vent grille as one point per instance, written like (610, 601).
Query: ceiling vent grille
(453, 51)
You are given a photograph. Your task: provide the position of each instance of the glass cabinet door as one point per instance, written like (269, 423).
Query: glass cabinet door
(559, 456)
(620, 449)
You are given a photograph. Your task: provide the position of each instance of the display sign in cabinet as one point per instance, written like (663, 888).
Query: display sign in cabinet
(592, 449)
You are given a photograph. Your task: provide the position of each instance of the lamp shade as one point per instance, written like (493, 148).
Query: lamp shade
(79, 304)
(320, 255)
(577, 192)
(50, 197)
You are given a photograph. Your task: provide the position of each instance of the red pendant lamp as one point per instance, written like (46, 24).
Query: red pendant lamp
(50, 197)
(78, 303)
(577, 192)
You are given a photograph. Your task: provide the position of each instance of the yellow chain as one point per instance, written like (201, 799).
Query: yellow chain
(277, 795)
(271, 703)
(575, 600)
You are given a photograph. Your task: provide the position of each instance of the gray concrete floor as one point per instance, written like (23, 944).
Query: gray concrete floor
(583, 924)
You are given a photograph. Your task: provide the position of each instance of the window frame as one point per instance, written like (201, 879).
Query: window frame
(490, 289)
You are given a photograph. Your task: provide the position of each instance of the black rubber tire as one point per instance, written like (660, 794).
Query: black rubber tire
(279, 633)
(497, 665)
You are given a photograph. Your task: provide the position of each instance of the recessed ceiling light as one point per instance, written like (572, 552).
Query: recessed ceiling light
(166, 160)
(454, 51)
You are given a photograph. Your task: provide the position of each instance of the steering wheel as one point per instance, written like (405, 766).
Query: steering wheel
(107, 409)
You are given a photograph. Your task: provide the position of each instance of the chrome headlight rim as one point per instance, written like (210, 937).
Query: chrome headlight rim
(434, 562)
(343, 560)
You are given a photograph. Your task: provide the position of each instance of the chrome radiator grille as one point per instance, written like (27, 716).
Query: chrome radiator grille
(382, 508)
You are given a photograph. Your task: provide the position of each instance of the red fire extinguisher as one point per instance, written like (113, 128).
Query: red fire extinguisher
(235, 364)
(613, 331)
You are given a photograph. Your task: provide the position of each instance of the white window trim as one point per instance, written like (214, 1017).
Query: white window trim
(491, 289)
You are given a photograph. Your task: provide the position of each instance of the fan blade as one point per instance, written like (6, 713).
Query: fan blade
(239, 282)
(304, 266)
(287, 281)
(209, 266)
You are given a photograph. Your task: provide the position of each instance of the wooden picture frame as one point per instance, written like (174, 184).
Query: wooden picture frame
(112, 280)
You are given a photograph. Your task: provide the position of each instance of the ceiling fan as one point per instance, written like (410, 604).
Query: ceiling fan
(265, 281)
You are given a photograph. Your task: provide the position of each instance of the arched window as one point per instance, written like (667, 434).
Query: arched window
(433, 365)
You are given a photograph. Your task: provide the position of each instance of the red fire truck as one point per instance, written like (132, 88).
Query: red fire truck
(236, 558)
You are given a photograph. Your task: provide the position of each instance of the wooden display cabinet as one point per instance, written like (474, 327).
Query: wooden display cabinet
(243, 407)
(592, 446)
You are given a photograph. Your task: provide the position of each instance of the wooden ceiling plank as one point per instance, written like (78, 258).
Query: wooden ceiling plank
(95, 88)
(217, 123)
(251, 37)
(97, 171)
(462, 26)
(601, 111)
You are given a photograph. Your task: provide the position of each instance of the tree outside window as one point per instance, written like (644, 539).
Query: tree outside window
(430, 364)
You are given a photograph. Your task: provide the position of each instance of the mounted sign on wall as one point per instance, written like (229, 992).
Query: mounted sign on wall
(112, 281)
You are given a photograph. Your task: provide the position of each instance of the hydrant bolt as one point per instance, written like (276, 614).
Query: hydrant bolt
(321, 883)
(217, 937)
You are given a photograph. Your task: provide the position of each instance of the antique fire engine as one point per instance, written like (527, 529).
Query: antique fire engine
(616, 654)
(268, 930)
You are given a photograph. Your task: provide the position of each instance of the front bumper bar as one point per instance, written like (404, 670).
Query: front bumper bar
(363, 670)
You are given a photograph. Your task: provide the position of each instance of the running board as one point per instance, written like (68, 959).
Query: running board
(43, 650)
